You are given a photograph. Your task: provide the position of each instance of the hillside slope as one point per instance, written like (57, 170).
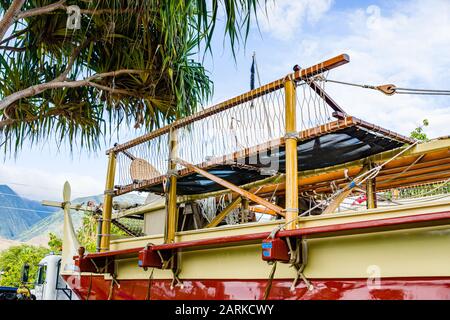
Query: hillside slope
(18, 214)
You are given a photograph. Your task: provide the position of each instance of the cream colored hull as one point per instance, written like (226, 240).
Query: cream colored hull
(414, 253)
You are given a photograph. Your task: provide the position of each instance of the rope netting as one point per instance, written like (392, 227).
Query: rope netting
(312, 109)
(245, 125)
(147, 160)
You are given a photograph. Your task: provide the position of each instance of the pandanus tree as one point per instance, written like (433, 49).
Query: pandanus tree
(76, 71)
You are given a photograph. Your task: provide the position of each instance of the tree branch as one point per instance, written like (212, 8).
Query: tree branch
(8, 48)
(60, 5)
(14, 35)
(39, 88)
(9, 17)
(13, 13)
(42, 10)
(75, 52)
(50, 113)
(109, 89)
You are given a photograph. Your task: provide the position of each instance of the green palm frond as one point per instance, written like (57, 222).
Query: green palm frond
(158, 37)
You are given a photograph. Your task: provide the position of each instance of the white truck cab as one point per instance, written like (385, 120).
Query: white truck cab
(49, 284)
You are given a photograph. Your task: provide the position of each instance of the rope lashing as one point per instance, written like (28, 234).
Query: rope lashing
(422, 91)
(406, 169)
(391, 89)
(176, 281)
(269, 281)
(111, 288)
(300, 259)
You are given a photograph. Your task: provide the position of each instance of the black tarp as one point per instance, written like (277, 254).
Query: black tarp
(345, 145)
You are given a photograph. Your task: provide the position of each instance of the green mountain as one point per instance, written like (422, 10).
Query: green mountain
(54, 222)
(18, 214)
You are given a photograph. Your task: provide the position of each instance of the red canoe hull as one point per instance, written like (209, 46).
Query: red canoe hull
(97, 288)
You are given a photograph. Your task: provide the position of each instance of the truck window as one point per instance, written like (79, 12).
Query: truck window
(42, 272)
(60, 284)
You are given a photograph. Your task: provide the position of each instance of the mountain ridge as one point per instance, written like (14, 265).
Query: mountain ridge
(18, 214)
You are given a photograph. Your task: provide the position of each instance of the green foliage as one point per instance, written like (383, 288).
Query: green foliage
(87, 233)
(54, 243)
(159, 37)
(12, 260)
(418, 133)
(431, 189)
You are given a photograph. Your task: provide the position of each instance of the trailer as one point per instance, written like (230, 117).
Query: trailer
(8, 293)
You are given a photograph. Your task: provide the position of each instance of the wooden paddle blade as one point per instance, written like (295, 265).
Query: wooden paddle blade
(66, 192)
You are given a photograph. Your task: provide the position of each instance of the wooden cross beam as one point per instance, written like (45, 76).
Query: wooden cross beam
(77, 207)
(232, 187)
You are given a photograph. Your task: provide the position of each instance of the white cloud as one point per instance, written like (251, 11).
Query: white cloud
(36, 184)
(285, 18)
(406, 44)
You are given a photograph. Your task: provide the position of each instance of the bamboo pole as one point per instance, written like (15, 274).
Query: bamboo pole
(215, 222)
(76, 207)
(371, 190)
(291, 156)
(371, 194)
(337, 202)
(99, 234)
(107, 203)
(171, 217)
(262, 211)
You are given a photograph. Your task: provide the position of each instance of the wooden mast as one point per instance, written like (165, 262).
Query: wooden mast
(107, 203)
(291, 155)
(171, 217)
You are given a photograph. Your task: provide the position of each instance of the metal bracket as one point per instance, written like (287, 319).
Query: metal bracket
(109, 193)
(173, 172)
(291, 135)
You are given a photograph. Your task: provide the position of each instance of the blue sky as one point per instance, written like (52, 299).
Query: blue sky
(402, 42)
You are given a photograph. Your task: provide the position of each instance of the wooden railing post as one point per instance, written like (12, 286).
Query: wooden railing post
(171, 215)
(291, 155)
(371, 192)
(107, 203)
